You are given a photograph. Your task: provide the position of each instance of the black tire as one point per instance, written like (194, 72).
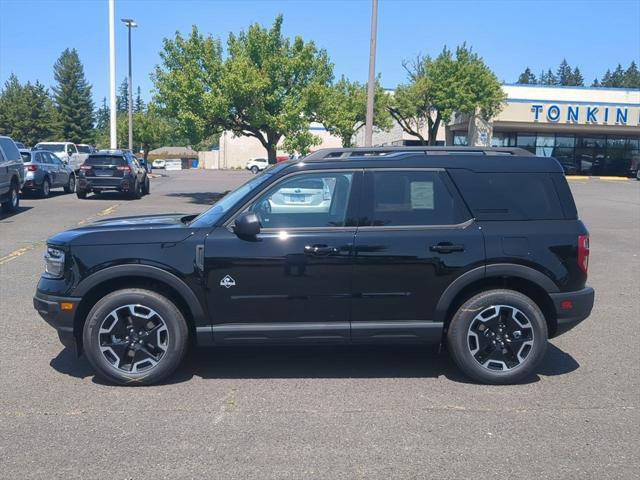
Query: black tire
(146, 187)
(136, 193)
(108, 365)
(45, 189)
(494, 327)
(255, 170)
(82, 194)
(13, 201)
(70, 187)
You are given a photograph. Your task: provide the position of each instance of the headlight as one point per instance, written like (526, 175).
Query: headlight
(54, 263)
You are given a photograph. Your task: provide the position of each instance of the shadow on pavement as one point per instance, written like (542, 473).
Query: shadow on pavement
(361, 361)
(200, 198)
(7, 216)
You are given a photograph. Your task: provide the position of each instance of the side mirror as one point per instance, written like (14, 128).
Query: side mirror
(247, 224)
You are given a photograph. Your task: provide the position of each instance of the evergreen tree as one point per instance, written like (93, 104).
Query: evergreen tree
(577, 79)
(632, 76)
(72, 95)
(102, 116)
(122, 99)
(548, 78)
(27, 113)
(615, 79)
(138, 104)
(596, 83)
(527, 77)
(606, 79)
(564, 73)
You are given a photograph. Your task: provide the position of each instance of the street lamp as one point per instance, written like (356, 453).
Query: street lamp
(371, 83)
(130, 24)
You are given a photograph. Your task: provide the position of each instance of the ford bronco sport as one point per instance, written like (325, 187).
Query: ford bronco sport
(477, 249)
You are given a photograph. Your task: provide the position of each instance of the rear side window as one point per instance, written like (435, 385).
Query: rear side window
(509, 196)
(26, 156)
(11, 152)
(410, 198)
(106, 160)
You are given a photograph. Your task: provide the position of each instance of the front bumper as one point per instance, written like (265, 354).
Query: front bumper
(50, 309)
(572, 308)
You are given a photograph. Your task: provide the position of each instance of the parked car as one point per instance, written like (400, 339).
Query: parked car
(146, 165)
(20, 145)
(256, 165)
(65, 151)
(312, 195)
(158, 163)
(84, 148)
(481, 249)
(112, 170)
(11, 175)
(44, 171)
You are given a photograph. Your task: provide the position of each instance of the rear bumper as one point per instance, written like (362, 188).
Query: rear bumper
(108, 183)
(572, 308)
(48, 306)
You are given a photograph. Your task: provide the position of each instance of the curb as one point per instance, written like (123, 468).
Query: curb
(585, 177)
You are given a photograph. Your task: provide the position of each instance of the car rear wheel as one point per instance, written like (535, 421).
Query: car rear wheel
(498, 337)
(135, 337)
(81, 194)
(254, 170)
(136, 192)
(13, 202)
(146, 188)
(45, 188)
(71, 185)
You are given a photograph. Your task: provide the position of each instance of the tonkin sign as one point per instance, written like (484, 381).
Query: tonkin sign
(586, 114)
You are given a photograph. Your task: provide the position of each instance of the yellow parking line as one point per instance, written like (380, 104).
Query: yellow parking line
(577, 177)
(614, 179)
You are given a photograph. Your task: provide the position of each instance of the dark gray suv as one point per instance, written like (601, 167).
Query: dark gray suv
(11, 175)
(112, 170)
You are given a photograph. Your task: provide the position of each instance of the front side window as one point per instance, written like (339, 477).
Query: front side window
(410, 198)
(309, 200)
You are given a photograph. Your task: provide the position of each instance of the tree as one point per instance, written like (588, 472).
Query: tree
(632, 76)
(548, 78)
(27, 113)
(577, 80)
(102, 116)
(596, 83)
(564, 75)
(151, 130)
(343, 110)
(527, 77)
(437, 88)
(122, 99)
(138, 104)
(72, 96)
(267, 86)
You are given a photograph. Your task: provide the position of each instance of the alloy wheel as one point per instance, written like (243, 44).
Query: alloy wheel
(14, 198)
(133, 338)
(500, 338)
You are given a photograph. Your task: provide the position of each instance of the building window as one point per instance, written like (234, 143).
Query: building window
(460, 139)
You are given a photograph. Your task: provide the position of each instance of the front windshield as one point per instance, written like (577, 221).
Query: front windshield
(50, 147)
(84, 149)
(211, 216)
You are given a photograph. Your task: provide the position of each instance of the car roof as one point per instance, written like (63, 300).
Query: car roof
(102, 153)
(475, 159)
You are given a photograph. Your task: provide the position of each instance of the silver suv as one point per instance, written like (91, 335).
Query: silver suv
(11, 175)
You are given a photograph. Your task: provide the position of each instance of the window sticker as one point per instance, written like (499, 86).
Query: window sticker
(422, 196)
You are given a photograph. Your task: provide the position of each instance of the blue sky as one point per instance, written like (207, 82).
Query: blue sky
(595, 35)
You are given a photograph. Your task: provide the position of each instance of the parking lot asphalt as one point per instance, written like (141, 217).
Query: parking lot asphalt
(325, 412)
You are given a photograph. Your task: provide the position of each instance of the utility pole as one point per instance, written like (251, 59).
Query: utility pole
(130, 24)
(113, 143)
(371, 83)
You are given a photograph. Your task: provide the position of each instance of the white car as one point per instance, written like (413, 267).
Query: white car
(159, 163)
(310, 195)
(65, 151)
(256, 165)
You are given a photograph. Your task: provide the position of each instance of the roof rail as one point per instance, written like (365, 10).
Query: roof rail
(343, 153)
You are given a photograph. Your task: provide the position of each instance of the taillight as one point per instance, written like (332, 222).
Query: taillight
(85, 167)
(32, 168)
(583, 252)
(124, 168)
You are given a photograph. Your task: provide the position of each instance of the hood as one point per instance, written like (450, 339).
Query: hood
(167, 228)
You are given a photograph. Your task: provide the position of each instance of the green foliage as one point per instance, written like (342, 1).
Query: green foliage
(102, 116)
(138, 104)
(527, 77)
(122, 98)
(72, 96)
(27, 113)
(564, 74)
(343, 110)
(267, 86)
(437, 88)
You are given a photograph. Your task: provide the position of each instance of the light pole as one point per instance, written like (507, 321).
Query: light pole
(113, 138)
(130, 24)
(371, 83)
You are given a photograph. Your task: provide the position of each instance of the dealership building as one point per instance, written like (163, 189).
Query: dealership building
(591, 131)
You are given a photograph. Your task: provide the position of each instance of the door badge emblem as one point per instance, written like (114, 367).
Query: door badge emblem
(227, 282)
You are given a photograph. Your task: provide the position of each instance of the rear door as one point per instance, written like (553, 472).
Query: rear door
(415, 237)
(61, 175)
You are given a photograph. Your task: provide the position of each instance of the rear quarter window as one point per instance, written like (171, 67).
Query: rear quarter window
(509, 196)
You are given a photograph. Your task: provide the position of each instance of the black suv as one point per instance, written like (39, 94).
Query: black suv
(481, 250)
(112, 170)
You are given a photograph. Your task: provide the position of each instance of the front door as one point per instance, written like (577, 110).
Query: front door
(292, 282)
(415, 238)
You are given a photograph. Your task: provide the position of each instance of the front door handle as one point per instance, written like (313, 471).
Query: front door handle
(446, 247)
(320, 250)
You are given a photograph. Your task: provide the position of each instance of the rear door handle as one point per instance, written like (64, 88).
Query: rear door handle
(446, 247)
(320, 250)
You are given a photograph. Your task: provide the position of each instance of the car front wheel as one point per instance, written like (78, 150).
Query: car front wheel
(13, 202)
(255, 170)
(498, 337)
(135, 336)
